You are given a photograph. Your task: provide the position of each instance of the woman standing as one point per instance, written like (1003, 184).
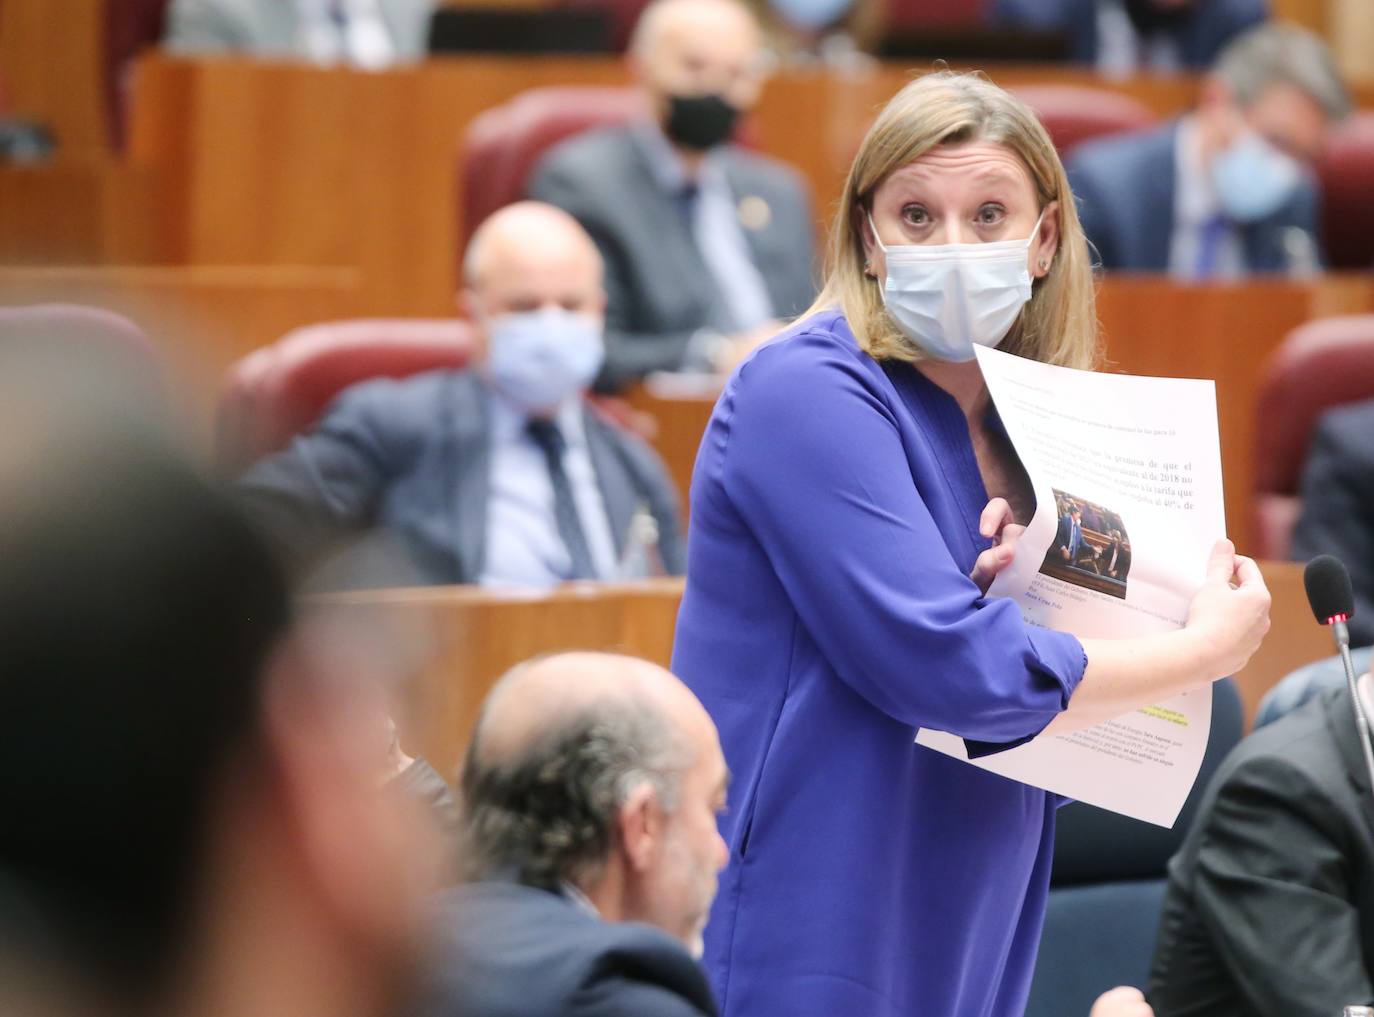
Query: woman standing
(854, 496)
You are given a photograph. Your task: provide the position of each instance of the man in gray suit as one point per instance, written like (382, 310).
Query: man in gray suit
(706, 245)
(368, 33)
(501, 475)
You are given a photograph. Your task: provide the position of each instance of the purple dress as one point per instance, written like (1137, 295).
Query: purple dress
(828, 615)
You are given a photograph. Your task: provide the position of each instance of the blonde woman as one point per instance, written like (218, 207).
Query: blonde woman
(854, 496)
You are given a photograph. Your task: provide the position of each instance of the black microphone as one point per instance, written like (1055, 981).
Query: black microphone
(1327, 582)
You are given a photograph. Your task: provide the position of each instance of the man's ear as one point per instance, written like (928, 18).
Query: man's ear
(640, 823)
(468, 305)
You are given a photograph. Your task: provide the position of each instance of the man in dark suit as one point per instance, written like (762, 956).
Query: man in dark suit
(1270, 905)
(504, 474)
(1338, 505)
(1127, 36)
(590, 793)
(706, 245)
(1227, 190)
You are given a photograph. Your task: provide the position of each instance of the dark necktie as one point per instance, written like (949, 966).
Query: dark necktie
(1209, 246)
(550, 441)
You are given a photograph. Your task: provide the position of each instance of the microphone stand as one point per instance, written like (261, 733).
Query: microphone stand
(1342, 636)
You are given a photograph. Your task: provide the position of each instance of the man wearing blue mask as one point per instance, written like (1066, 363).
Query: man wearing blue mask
(502, 475)
(707, 245)
(1226, 191)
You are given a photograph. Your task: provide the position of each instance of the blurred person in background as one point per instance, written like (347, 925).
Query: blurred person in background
(1338, 505)
(589, 794)
(706, 245)
(370, 34)
(503, 474)
(197, 819)
(1227, 190)
(1123, 37)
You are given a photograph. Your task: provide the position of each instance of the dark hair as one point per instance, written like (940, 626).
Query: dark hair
(546, 814)
(137, 613)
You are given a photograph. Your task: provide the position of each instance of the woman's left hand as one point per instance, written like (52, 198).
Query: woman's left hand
(1000, 526)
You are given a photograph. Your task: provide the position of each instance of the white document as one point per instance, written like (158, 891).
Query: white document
(1140, 460)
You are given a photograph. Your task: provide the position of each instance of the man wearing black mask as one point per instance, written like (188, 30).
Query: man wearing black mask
(706, 245)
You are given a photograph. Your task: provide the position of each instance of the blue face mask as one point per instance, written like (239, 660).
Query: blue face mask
(1253, 179)
(537, 359)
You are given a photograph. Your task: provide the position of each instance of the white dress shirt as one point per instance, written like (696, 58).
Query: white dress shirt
(523, 546)
(346, 31)
(1196, 205)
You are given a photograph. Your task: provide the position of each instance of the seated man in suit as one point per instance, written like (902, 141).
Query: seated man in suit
(502, 475)
(366, 33)
(1269, 910)
(706, 245)
(1122, 37)
(590, 793)
(1227, 190)
(1338, 505)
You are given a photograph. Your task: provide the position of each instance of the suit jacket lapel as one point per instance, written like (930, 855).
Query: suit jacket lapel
(468, 473)
(682, 262)
(1158, 179)
(761, 241)
(612, 477)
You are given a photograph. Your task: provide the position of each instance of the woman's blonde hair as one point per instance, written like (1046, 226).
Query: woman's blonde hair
(1059, 324)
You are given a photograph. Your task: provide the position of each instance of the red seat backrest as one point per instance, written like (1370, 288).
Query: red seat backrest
(1345, 172)
(280, 390)
(502, 146)
(1320, 365)
(1074, 114)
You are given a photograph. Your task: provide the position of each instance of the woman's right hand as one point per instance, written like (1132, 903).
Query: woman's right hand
(1230, 613)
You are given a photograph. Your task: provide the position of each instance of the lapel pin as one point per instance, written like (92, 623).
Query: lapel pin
(754, 213)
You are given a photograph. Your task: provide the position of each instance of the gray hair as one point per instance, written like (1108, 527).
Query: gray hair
(547, 813)
(1276, 52)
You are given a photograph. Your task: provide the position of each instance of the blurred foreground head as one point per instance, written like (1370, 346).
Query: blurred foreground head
(193, 817)
(603, 774)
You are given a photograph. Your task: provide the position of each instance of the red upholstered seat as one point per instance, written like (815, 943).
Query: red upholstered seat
(1347, 198)
(502, 145)
(1319, 366)
(131, 26)
(913, 15)
(281, 390)
(1074, 114)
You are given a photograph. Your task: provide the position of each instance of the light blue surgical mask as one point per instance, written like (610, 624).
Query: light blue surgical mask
(1253, 179)
(949, 298)
(538, 359)
(811, 15)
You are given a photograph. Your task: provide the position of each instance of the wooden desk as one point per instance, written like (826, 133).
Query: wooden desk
(200, 319)
(1151, 326)
(458, 640)
(473, 636)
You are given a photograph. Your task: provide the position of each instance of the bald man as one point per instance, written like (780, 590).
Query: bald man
(706, 245)
(591, 790)
(503, 474)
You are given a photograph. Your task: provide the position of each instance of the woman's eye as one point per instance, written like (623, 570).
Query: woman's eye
(915, 215)
(989, 215)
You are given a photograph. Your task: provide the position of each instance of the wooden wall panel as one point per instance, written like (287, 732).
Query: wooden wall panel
(50, 59)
